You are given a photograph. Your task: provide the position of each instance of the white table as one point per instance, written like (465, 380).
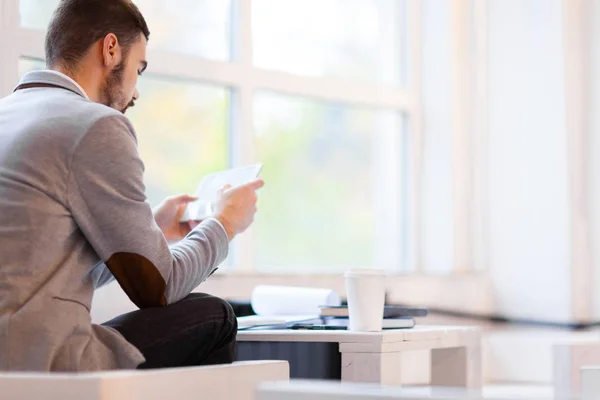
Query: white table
(376, 356)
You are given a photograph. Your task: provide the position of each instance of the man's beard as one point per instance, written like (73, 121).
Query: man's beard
(113, 94)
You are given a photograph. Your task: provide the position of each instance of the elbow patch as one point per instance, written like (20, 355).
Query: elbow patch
(139, 278)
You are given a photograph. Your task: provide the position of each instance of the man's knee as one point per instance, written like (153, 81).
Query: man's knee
(226, 309)
(218, 310)
(226, 328)
(218, 314)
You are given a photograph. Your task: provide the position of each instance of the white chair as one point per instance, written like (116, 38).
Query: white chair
(237, 381)
(568, 359)
(590, 383)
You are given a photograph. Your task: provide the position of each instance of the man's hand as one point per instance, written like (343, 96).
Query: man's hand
(168, 213)
(235, 207)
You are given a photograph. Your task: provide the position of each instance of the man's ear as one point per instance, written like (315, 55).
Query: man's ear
(111, 51)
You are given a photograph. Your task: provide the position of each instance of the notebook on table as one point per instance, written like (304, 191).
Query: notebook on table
(389, 311)
(388, 323)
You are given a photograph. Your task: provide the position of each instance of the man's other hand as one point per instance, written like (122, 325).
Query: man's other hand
(235, 207)
(168, 213)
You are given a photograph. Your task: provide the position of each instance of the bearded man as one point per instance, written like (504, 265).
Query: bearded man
(74, 216)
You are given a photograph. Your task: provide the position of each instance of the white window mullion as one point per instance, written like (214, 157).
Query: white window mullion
(577, 33)
(184, 66)
(9, 67)
(241, 74)
(415, 196)
(242, 126)
(481, 151)
(461, 138)
(334, 90)
(390, 198)
(30, 42)
(9, 17)
(2, 13)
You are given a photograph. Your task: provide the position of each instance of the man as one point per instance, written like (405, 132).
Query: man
(73, 214)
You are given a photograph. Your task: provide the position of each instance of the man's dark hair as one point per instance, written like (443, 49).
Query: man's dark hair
(77, 24)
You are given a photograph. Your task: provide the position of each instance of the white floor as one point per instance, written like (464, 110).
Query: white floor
(496, 391)
(321, 390)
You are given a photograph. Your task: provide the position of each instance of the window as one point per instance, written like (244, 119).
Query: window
(182, 130)
(323, 165)
(35, 14)
(323, 105)
(357, 39)
(204, 31)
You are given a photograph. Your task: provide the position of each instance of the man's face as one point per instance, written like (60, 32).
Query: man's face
(119, 88)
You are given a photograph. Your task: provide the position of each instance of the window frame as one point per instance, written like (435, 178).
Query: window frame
(243, 79)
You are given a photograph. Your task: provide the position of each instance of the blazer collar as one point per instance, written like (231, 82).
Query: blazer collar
(53, 78)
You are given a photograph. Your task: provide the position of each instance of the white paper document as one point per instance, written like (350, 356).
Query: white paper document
(209, 186)
(289, 300)
(280, 305)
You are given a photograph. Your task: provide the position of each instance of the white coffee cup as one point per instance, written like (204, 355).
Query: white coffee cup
(365, 290)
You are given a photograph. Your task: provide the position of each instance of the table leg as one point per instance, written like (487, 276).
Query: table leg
(458, 366)
(381, 368)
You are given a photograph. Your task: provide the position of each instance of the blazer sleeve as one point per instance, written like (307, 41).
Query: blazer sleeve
(106, 196)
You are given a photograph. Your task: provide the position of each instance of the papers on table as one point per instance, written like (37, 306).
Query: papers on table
(281, 305)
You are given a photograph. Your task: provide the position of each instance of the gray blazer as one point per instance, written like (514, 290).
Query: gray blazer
(73, 216)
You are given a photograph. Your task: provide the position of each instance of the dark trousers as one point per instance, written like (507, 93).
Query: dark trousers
(198, 330)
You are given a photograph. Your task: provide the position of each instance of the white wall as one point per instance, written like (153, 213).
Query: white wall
(529, 210)
(527, 188)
